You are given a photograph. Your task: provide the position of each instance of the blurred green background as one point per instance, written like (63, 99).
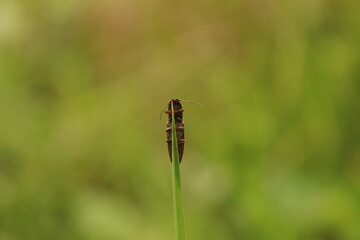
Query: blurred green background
(274, 154)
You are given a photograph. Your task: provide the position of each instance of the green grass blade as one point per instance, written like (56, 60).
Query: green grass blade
(176, 182)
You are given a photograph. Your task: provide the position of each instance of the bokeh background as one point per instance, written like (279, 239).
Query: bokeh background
(273, 154)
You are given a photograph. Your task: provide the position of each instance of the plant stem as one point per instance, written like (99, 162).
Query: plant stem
(176, 182)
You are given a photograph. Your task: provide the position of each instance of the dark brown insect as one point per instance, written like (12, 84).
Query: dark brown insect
(179, 125)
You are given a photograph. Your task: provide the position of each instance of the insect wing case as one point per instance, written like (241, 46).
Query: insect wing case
(179, 124)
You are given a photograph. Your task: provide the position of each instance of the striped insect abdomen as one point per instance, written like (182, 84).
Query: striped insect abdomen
(179, 124)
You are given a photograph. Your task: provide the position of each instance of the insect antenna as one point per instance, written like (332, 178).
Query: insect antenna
(191, 102)
(182, 100)
(161, 113)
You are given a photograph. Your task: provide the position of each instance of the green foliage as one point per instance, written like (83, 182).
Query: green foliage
(273, 155)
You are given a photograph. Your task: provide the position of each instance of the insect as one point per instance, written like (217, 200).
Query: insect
(179, 125)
